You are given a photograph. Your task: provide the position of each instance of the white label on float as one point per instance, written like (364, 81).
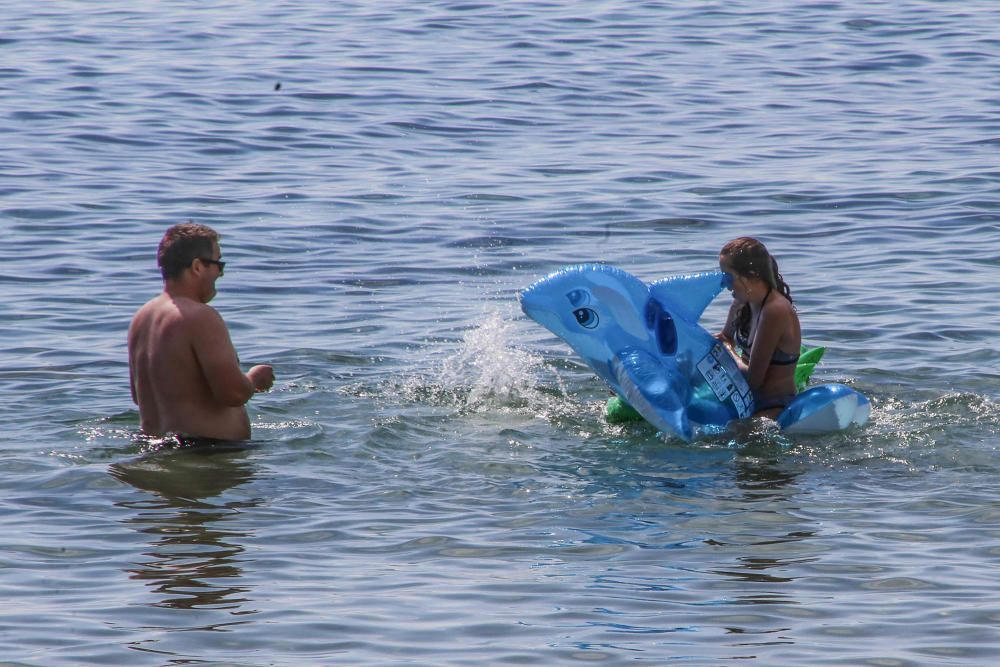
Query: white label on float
(721, 375)
(711, 369)
(742, 403)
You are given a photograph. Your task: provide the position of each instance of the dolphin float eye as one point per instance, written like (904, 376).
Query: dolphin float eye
(586, 318)
(578, 297)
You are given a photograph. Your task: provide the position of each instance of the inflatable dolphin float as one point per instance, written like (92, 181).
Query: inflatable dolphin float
(645, 342)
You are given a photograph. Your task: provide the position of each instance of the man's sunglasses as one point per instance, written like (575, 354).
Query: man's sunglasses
(217, 262)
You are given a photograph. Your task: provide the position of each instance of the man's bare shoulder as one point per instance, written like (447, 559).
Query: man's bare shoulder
(175, 313)
(145, 317)
(195, 310)
(180, 307)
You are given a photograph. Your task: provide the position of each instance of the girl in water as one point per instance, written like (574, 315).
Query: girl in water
(762, 328)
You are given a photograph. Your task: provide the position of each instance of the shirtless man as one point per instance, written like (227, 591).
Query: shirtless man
(183, 370)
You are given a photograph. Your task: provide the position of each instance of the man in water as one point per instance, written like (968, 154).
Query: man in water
(183, 370)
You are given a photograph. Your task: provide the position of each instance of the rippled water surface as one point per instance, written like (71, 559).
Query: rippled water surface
(431, 481)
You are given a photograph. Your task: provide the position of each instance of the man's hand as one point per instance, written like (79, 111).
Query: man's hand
(262, 377)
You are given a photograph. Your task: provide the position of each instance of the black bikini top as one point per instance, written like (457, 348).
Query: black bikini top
(742, 340)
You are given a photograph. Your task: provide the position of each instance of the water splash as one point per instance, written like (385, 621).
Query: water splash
(488, 370)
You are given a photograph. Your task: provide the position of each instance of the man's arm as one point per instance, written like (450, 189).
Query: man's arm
(131, 385)
(132, 345)
(217, 357)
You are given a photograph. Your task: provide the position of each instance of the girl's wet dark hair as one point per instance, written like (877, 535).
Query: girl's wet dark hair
(181, 245)
(749, 258)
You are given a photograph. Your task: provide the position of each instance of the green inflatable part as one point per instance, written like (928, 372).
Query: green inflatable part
(617, 411)
(808, 358)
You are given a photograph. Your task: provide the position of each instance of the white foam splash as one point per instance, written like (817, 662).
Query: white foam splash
(490, 368)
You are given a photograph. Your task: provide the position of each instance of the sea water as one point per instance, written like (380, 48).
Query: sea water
(431, 481)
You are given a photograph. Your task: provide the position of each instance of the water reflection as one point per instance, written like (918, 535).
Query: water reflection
(767, 478)
(194, 560)
(774, 540)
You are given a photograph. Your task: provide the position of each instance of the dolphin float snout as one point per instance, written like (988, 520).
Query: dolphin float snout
(533, 304)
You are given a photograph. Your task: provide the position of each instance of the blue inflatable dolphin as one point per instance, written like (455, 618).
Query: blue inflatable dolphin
(645, 342)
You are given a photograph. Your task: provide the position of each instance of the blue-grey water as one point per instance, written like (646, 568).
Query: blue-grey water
(431, 481)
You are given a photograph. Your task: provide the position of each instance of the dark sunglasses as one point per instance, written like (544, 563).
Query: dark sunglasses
(217, 262)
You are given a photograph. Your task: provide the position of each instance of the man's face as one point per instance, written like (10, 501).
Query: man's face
(212, 269)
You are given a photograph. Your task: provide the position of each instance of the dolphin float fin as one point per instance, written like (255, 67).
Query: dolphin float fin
(658, 392)
(688, 296)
